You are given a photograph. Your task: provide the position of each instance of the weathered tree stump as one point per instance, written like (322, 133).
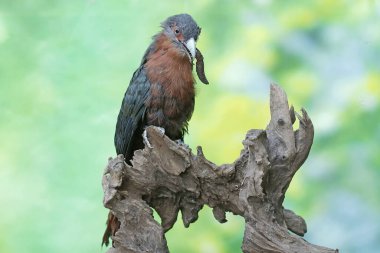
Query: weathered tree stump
(166, 176)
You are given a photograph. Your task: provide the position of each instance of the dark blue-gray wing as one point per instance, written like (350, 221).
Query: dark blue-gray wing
(131, 115)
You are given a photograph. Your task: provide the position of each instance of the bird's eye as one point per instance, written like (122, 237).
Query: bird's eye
(176, 31)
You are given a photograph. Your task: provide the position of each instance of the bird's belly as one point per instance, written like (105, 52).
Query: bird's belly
(172, 115)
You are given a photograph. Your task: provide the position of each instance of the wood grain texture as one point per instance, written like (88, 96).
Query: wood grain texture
(166, 176)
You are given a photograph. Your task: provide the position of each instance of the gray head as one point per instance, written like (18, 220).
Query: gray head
(184, 29)
(182, 24)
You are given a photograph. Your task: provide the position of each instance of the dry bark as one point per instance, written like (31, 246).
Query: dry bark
(166, 176)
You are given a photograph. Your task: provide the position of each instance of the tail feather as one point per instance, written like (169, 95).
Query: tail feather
(113, 225)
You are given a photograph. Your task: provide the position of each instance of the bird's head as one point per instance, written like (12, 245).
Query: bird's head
(184, 32)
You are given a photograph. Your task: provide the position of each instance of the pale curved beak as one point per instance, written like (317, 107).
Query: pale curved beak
(191, 46)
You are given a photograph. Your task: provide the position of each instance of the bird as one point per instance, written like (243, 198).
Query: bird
(161, 92)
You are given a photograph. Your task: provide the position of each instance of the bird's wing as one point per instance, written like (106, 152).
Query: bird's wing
(131, 112)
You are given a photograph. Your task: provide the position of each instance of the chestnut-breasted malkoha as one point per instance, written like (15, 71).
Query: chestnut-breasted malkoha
(161, 92)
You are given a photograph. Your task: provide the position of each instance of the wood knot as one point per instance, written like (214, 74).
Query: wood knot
(281, 122)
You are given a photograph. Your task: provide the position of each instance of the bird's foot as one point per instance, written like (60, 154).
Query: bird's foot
(145, 140)
(181, 143)
(161, 129)
(145, 136)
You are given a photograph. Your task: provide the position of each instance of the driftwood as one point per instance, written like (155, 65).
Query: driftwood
(166, 176)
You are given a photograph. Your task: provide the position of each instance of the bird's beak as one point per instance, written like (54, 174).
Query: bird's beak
(200, 67)
(190, 44)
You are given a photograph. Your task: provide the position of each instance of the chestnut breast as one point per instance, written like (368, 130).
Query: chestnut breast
(171, 100)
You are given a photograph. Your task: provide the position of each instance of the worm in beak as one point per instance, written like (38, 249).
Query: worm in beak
(200, 67)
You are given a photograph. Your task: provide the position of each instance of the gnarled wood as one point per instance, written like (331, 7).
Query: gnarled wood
(169, 178)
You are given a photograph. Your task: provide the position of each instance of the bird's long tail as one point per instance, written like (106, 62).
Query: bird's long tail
(113, 225)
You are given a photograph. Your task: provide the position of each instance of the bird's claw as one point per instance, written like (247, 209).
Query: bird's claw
(161, 129)
(146, 141)
(145, 136)
(181, 143)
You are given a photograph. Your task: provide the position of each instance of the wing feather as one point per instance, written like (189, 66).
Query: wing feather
(132, 112)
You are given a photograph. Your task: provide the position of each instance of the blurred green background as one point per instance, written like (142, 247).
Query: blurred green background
(64, 67)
